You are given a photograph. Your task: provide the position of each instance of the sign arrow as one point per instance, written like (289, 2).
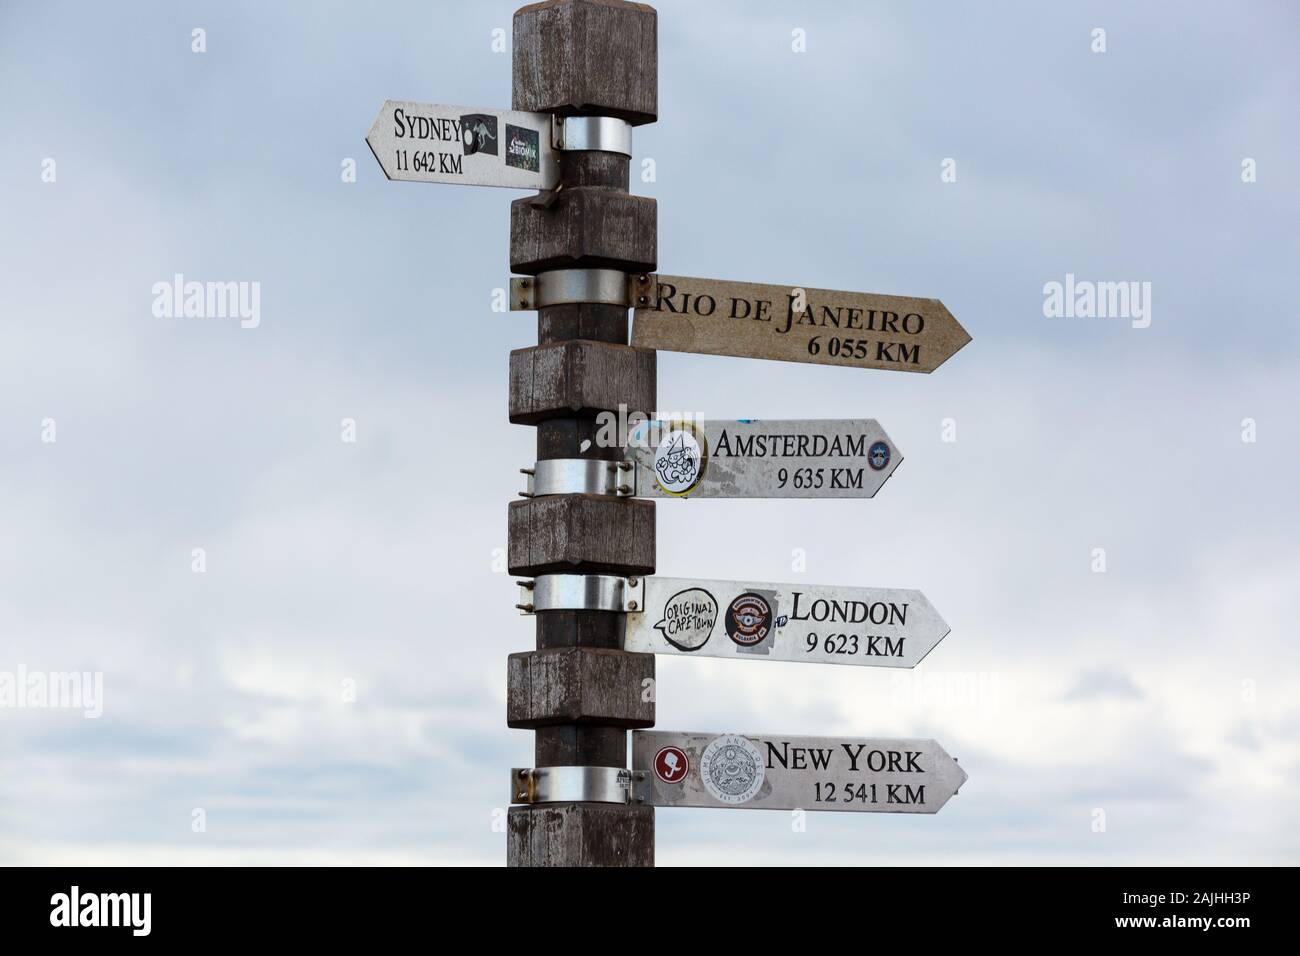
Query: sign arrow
(754, 458)
(432, 143)
(871, 627)
(764, 772)
(794, 324)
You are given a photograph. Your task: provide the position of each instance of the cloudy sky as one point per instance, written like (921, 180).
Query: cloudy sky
(1160, 696)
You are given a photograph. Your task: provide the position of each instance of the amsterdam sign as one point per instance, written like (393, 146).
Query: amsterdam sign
(754, 458)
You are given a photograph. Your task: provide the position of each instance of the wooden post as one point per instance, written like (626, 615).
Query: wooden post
(579, 691)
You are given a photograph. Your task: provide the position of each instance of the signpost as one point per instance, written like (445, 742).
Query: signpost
(431, 143)
(873, 627)
(794, 324)
(763, 772)
(752, 458)
(584, 75)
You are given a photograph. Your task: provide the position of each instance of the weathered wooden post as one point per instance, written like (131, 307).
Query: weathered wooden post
(579, 691)
(584, 535)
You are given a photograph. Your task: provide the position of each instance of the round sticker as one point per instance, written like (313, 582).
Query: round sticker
(688, 618)
(731, 769)
(671, 764)
(749, 619)
(878, 456)
(680, 460)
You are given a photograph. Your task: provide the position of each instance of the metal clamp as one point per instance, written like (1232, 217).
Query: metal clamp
(580, 476)
(643, 290)
(581, 592)
(572, 785)
(569, 286)
(604, 134)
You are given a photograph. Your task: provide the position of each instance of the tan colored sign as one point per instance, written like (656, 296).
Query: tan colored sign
(794, 324)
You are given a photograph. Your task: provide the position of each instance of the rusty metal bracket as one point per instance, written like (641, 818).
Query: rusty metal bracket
(643, 290)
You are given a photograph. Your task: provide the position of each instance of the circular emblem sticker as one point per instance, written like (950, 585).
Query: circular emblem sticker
(731, 769)
(671, 764)
(878, 456)
(749, 619)
(680, 459)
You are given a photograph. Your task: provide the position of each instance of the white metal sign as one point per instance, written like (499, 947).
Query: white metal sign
(431, 143)
(760, 772)
(754, 458)
(875, 627)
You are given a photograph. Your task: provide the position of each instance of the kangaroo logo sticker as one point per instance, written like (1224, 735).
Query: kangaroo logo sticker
(478, 133)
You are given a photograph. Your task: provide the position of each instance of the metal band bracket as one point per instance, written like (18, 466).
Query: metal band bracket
(573, 785)
(581, 592)
(570, 286)
(604, 134)
(580, 476)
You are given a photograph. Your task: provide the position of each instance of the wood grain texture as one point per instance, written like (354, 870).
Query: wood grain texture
(587, 227)
(579, 685)
(593, 57)
(580, 378)
(576, 57)
(580, 745)
(590, 168)
(580, 834)
(757, 320)
(582, 320)
(592, 534)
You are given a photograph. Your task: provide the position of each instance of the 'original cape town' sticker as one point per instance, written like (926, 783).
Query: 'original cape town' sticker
(688, 618)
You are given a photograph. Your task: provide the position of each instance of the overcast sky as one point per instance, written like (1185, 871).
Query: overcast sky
(1162, 692)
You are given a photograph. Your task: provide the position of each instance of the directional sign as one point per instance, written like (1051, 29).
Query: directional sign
(761, 459)
(794, 324)
(428, 143)
(873, 627)
(854, 774)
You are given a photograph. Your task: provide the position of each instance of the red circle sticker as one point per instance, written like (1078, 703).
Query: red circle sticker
(671, 764)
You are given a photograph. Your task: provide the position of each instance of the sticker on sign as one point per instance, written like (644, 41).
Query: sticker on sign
(872, 627)
(432, 143)
(752, 458)
(766, 772)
